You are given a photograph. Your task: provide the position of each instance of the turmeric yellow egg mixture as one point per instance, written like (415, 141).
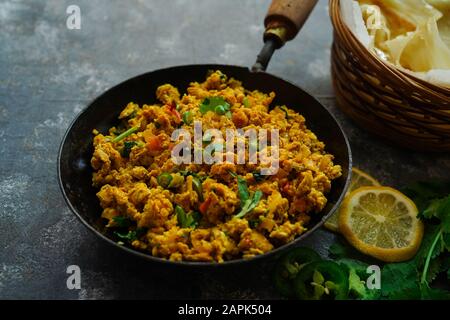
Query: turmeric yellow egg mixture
(202, 212)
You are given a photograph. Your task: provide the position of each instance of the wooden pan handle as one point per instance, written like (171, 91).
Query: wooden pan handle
(285, 18)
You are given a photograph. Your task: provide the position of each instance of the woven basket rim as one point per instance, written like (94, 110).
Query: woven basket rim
(343, 32)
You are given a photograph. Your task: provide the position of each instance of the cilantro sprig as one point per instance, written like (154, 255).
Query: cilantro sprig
(217, 105)
(127, 146)
(131, 235)
(248, 201)
(187, 220)
(414, 279)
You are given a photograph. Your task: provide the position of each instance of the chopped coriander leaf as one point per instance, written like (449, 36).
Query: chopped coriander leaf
(131, 235)
(127, 146)
(423, 192)
(356, 285)
(243, 192)
(122, 222)
(215, 104)
(253, 223)
(258, 176)
(399, 281)
(187, 220)
(250, 204)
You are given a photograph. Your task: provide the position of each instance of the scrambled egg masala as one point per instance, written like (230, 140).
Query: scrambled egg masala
(201, 212)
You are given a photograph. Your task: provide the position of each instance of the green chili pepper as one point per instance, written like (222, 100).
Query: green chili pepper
(177, 181)
(198, 187)
(289, 265)
(164, 179)
(321, 280)
(187, 117)
(125, 134)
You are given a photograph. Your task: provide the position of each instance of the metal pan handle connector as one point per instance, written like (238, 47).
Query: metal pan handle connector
(283, 21)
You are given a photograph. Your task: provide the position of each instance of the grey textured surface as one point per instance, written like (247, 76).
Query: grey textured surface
(49, 73)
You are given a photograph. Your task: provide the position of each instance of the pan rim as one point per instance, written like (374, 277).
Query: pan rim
(199, 264)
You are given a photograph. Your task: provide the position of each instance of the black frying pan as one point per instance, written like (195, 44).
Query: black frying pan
(75, 172)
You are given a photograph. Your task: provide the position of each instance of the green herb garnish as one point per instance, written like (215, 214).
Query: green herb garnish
(253, 223)
(259, 177)
(215, 104)
(186, 173)
(414, 279)
(248, 202)
(131, 235)
(187, 220)
(127, 146)
(164, 179)
(122, 222)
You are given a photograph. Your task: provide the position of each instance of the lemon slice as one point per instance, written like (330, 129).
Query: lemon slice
(381, 222)
(359, 179)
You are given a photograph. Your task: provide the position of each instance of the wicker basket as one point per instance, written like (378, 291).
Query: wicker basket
(385, 100)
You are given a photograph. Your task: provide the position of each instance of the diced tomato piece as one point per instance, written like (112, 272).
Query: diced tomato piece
(286, 188)
(205, 205)
(177, 115)
(172, 109)
(154, 144)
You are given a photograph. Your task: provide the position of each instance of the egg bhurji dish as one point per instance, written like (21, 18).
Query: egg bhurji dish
(208, 212)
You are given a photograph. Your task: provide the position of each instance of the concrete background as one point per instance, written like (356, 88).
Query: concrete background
(49, 73)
